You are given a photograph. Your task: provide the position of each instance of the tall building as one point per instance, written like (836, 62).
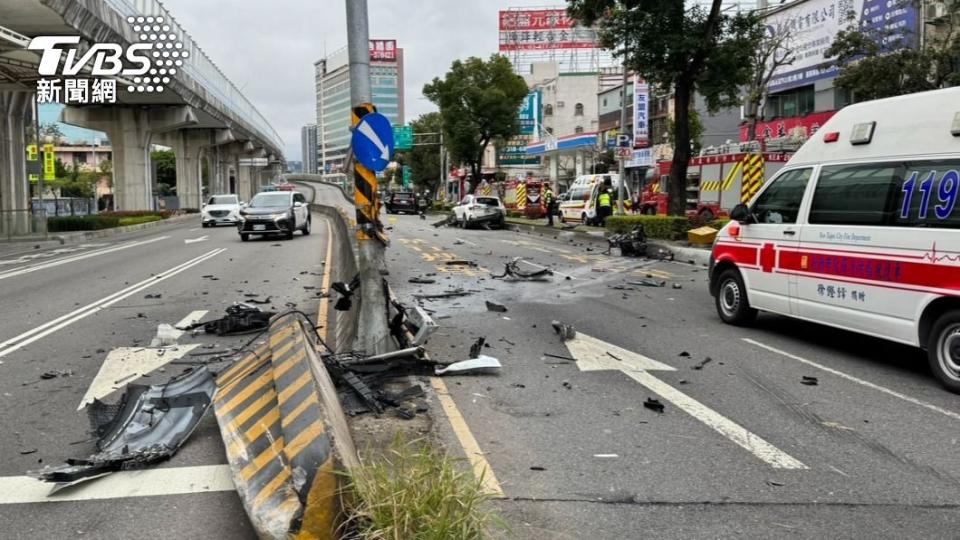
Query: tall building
(332, 78)
(309, 149)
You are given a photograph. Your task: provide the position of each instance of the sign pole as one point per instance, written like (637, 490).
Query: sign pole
(621, 191)
(373, 331)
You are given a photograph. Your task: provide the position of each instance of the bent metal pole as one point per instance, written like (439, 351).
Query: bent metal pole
(373, 332)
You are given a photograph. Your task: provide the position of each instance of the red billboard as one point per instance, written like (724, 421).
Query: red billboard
(543, 29)
(785, 126)
(383, 50)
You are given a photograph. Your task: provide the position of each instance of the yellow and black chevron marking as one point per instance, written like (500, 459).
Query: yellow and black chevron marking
(752, 176)
(655, 187)
(710, 185)
(521, 196)
(278, 445)
(731, 176)
(365, 187)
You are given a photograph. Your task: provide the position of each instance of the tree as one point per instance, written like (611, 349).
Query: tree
(696, 131)
(605, 162)
(875, 64)
(478, 103)
(687, 49)
(166, 164)
(424, 160)
(773, 52)
(52, 130)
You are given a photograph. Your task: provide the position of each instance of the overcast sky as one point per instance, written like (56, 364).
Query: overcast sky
(268, 47)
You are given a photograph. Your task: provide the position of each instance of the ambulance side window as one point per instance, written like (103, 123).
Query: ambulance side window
(780, 202)
(856, 194)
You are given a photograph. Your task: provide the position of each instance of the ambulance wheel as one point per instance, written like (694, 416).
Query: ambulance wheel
(732, 304)
(943, 350)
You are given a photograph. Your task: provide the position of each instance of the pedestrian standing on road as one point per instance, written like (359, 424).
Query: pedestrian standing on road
(549, 201)
(604, 206)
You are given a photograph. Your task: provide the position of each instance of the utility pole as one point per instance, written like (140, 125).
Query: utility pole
(373, 331)
(443, 173)
(621, 190)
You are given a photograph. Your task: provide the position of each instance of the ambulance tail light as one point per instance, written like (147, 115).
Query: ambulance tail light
(833, 136)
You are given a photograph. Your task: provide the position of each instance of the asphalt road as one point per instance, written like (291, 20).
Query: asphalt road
(742, 449)
(104, 284)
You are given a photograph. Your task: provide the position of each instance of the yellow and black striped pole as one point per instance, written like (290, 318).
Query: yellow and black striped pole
(753, 176)
(365, 193)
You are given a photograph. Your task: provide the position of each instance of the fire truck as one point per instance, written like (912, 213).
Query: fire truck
(524, 196)
(717, 180)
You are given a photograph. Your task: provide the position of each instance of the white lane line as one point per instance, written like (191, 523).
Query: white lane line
(74, 258)
(28, 337)
(191, 319)
(593, 354)
(195, 240)
(776, 458)
(120, 485)
(868, 384)
(125, 364)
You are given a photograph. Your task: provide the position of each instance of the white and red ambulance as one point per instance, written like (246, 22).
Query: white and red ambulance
(860, 230)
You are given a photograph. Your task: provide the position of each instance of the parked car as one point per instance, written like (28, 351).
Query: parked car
(275, 213)
(220, 209)
(477, 210)
(402, 201)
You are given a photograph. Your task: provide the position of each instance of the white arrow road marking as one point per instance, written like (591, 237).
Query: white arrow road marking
(121, 485)
(126, 364)
(861, 382)
(591, 355)
(195, 240)
(74, 258)
(369, 133)
(18, 342)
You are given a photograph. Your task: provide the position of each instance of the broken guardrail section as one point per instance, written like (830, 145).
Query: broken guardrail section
(284, 429)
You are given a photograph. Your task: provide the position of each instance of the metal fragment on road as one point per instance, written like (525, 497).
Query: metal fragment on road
(497, 308)
(565, 331)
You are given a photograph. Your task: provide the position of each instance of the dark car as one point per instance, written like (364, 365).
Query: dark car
(403, 201)
(275, 213)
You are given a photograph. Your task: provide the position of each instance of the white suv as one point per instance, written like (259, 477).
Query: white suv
(221, 209)
(480, 209)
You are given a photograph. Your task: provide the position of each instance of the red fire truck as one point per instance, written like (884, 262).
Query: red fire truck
(715, 183)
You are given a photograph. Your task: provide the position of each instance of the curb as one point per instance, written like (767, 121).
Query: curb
(86, 235)
(681, 253)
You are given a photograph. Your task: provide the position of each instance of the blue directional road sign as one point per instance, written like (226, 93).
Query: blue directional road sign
(373, 142)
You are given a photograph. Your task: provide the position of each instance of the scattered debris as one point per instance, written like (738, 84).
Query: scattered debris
(166, 336)
(456, 293)
(28, 452)
(664, 255)
(471, 264)
(346, 293)
(809, 381)
(242, 318)
(684, 354)
(55, 374)
(677, 286)
(422, 280)
(647, 283)
(512, 270)
(498, 308)
(653, 404)
(449, 220)
(560, 357)
(477, 347)
(456, 242)
(481, 364)
(703, 363)
(260, 302)
(565, 331)
(153, 296)
(632, 244)
(567, 385)
(147, 426)
(537, 468)
(775, 483)
(605, 456)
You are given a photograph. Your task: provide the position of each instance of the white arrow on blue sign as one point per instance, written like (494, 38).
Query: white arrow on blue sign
(373, 141)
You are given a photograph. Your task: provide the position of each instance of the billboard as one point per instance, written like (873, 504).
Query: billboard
(783, 127)
(641, 113)
(543, 29)
(530, 115)
(383, 50)
(815, 23)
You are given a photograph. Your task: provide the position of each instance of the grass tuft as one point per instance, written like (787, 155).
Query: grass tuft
(416, 492)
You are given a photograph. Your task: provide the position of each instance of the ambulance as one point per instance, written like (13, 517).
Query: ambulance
(580, 203)
(859, 231)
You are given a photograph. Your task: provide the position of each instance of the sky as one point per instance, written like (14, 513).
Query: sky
(268, 47)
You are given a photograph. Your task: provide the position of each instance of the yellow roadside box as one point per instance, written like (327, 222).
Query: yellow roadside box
(702, 236)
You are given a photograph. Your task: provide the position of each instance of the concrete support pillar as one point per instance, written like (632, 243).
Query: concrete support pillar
(188, 147)
(554, 169)
(578, 163)
(15, 112)
(131, 133)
